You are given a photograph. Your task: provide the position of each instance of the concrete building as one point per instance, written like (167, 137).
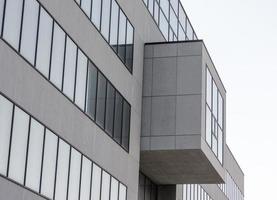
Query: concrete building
(110, 100)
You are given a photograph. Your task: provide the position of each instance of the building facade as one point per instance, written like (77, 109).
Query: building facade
(110, 100)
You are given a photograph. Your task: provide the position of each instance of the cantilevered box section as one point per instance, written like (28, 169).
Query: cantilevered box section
(179, 144)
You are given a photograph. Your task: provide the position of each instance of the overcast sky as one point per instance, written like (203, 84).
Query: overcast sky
(241, 36)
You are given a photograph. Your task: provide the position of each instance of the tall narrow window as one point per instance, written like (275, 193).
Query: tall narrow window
(208, 126)
(69, 68)
(101, 100)
(57, 56)
(126, 125)
(122, 36)
(208, 88)
(96, 13)
(122, 192)
(105, 23)
(114, 189)
(96, 183)
(129, 46)
(80, 93)
(220, 110)
(44, 42)
(85, 179)
(6, 109)
(29, 30)
(62, 170)
(49, 164)
(91, 90)
(105, 188)
(165, 7)
(114, 25)
(151, 6)
(110, 109)
(74, 176)
(163, 25)
(156, 11)
(34, 155)
(12, 24)
(19, 145)
(118, 117)
(86, 6)
(214, 104)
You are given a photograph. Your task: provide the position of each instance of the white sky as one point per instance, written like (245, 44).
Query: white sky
(241, 36)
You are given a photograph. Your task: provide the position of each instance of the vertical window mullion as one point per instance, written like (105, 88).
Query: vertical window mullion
(27, 151)
(22, 15)
(68, 175)
(51, 49)
(11, 132)
(3, 18)
(64, 57)
(56, 169)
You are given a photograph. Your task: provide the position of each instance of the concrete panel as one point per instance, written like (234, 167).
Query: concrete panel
(146, 117)
(190, 48)
(167, 192)
(188, 142)
(145, 143)
(164, 76)
(162, 142)
(147, 77)
(165, 50)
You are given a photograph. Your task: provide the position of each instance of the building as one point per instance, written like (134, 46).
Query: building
(110, 100)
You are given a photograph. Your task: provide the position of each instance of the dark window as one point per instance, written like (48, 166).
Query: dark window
(118, 117)
(114, 25)
(110, 109)
(129, 46)
(121, 36)
(91, 90)
(105, 23)
(101, 100)
(126, 124)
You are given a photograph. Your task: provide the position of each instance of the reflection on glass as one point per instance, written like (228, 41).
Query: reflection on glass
(105, 19)
(29, 30)
(165, 7)
(91, 90)
(126, 124)
(163, 25)
(173, 21)
(156, 11)
(118, 117)
(114, 25)
(122, 36)
(129, 46)
(18, 145)
(110, 109)
(101, 100)
(34, 155)
(6, 109)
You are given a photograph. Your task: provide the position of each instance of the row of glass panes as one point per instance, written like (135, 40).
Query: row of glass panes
(35, 157)
(194, 192)
(171, 19)
(34, 34)
(147, 189)
(214, 117)
(112, 23)
(230, 189)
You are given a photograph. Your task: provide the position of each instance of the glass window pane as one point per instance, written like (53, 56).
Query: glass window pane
(220, 145)
(208, 88)
(49, 164)
(174, 4)
(185, 192)
(57, 56)
(85, 179)
(173, 21)
(80, 93)
(1, 13)
(34, 155)
(12, 22)
(96, 181)
(129, 46)
(105, 23)
(110, 109)
(126, 125)
(122, 192)
(69, 68)
(182, 16)
(145, 2)
(182, 35)
(114, 189)
(147, 194)
(29, 30)
(189, 30)
(74, 176)
(208, 126)
(151, 6)
(105, 189)
(214, 100)
(163, 25)
(91, 90)
(118, 117)
(214, 144)
(86, 6)
(19, 145)
(122, 35)
(6, 108)
(154, 192)
(95, 13)
(165, 7)
(220, 110)
(114, 25)
(141, 186)
(101, 100)
(62, 170)
(156, 12)
(44, 43)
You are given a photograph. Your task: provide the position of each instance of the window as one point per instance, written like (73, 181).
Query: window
(181, 34)
(96, 183)
(101, 100)
(91, 90)
(220, 145)
(164, 25)
(12, 24)
(57, 56)
(81, 78)
(208, 88)
(174, 4)
(208, 126)
(6, 112)
(126, 124)
(1, 14)
(165, 7)
(44, 43)
(18, 145)
(29, 30)
(74, 175)
(129, 46)
(173, 21)
(69, 68)
(156, 11)
(49, 164)
(122, 192)
(34, 155)
(118, 117)
(85, 179)
(105, 23)
(86, 6)
(105, 189)
(110, 109)
(122, 36)
(220, 110)
(114, 189)
(189, 30)
(151, 7)
(114, 25)
(214, 104)
(62, 170)
(96, 13)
